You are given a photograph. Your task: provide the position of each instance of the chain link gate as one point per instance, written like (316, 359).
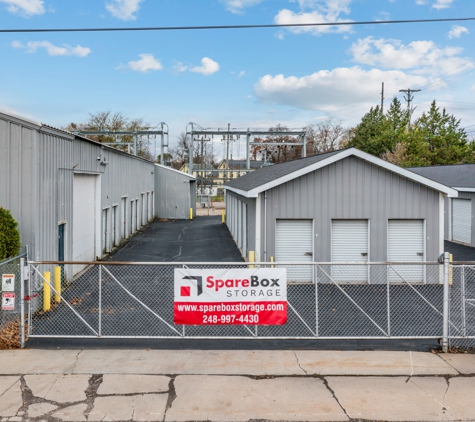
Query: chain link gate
(135, 300)
(462, 306)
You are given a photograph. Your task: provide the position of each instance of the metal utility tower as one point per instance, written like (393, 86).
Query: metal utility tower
(409, 99)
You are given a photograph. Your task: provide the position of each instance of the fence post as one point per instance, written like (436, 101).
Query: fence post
(445, 330)
(57, 284)
(22, 302)
(100, 301)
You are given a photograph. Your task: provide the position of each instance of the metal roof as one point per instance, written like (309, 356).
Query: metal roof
(457, 176)
(269, 173)
(266, 178)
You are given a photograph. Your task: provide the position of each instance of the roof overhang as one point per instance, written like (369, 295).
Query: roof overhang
(181, 173)
(465, 189)
(253, 193)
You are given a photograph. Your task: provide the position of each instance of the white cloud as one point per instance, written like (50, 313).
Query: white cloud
(146, 63)
(472, 88)
(208, 67)
(442, 4)
(238, 6)
(179, 67)
(53, 50)
(25, 7)
(316, 11)
(457, 31)
(124, 9)
(425, 56)
(241, 73)
(327, 90)
(421, 2)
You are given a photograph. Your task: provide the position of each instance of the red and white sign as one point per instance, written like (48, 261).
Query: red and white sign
(231, 296)
(8, 301)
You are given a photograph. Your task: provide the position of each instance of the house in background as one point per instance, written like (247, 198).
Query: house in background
(339, 206)
(459, 212)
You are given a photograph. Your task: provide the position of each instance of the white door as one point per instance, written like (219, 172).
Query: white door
(104, 231)
(294, 243)
(462, 220)
(349, 244)
(123, 217)
(406, 244)
(84, 217)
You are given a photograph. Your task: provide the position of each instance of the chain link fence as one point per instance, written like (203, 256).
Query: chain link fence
(11, 293)
(462, 306)
(329, 300)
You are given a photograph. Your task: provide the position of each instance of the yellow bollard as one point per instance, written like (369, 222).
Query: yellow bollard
(451, 270)
(57, 284)
(191, 213)
(251, 258)
(272, 260)
(47, 291)
(223, 217)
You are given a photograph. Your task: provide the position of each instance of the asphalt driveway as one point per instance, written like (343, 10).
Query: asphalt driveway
(204, 239)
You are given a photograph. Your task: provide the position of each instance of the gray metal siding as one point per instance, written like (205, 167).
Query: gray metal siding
(231, 214)
(175, 193)
(36, 169)
(352, 189)
(18, 176)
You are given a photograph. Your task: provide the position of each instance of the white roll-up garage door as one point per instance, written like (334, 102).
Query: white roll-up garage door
(462, 220)
(406, 244)
(294, 243)
(349, 244)
(84, 210)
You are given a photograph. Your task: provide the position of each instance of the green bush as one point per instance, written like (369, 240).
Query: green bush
(9, 235)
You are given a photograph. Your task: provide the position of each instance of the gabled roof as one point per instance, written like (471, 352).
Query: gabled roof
(457, 176)
(266, 178)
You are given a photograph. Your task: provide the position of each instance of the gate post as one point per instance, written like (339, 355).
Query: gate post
(22, 303)
(445, 330)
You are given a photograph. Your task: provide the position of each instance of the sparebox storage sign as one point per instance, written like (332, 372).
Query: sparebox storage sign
(231, 296)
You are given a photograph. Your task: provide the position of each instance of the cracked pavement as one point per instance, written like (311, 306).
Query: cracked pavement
(161, 385)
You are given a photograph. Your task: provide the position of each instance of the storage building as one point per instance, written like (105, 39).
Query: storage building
(342, 206)
(76, 199)
(459, 212)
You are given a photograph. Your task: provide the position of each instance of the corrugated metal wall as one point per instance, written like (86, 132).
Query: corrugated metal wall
(348, 189)
(18, 159)
(59, 159)
(234, 220)
(176, 193)
(37, 167)
(353, 189)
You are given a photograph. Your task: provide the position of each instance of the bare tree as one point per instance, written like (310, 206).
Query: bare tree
(108, 121)
(325, 136)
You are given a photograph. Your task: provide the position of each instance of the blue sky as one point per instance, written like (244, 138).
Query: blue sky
(250, 78)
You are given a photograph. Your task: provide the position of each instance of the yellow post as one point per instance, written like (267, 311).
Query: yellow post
(451, 270)
(57, 284)
(47, 291)
(191, 213)
(251, 258)
(272, 260)
(223, 217)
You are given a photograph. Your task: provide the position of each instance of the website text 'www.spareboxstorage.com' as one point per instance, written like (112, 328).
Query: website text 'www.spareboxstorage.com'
(230, 296)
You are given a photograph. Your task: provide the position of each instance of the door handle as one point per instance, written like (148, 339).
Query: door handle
(364, 253)
(308, 253)
(420, 253)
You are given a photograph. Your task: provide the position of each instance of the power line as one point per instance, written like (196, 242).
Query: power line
(256, 26)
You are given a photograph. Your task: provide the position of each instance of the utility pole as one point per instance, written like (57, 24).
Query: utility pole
(409, 99)
(382, 99)
(202, 140)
